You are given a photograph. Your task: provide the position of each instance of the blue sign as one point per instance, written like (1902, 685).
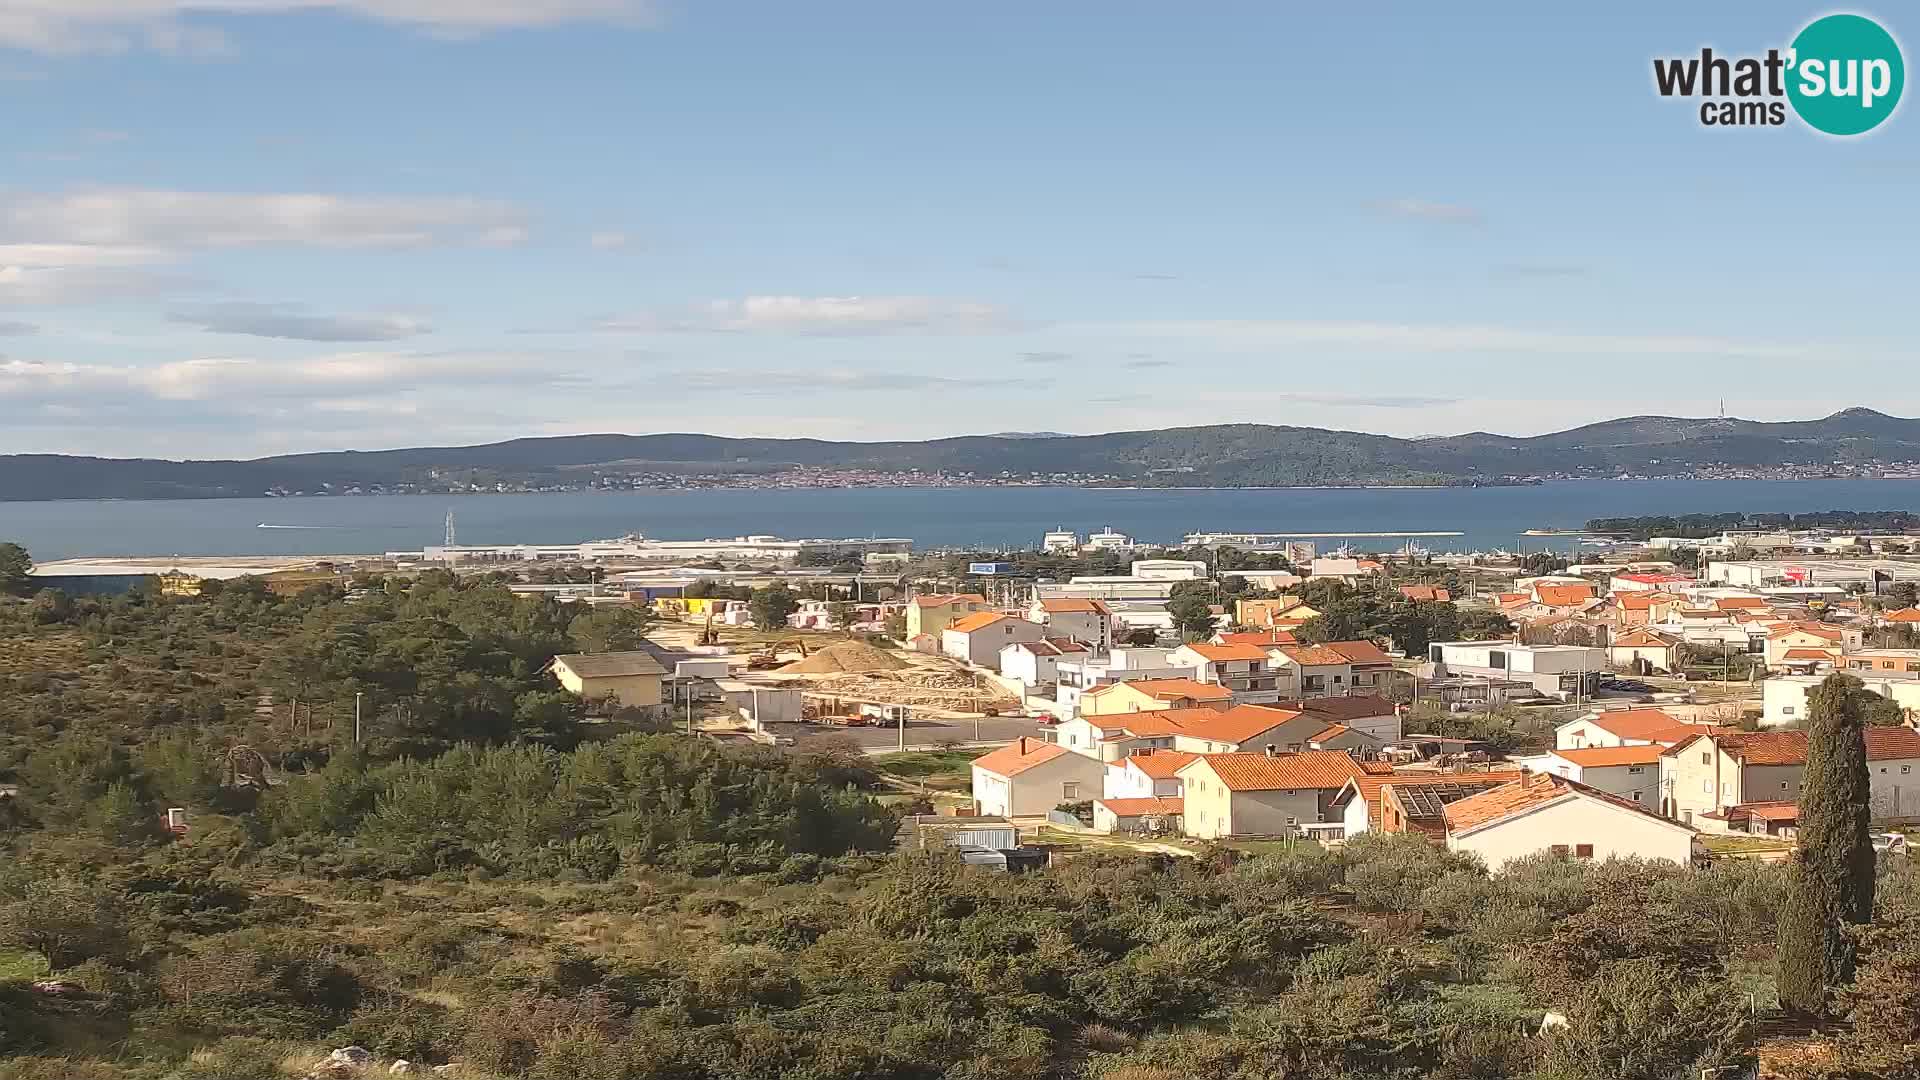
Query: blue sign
(988, 569)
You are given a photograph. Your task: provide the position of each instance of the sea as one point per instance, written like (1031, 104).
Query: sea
(1488, 518)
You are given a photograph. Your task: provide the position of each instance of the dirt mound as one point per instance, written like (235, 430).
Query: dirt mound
(848, 656)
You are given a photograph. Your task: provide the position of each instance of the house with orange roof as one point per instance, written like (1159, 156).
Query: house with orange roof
(1649, 582)
(1544, 813)
(932, 614)
(1153, 695)
(1262, 794)
(1559, 598)
(1369, 668)
(1370, 714)
(978, 638)
(1263, 638)
(1029, 777)
(1145, 773)
(1808, 635)
(1644, 651)
(1089, 622)
(1307, 671)
(1149, 816)
(1037, 663)
(1114, 737)
(1284, 612)
(1623, 727)
(1242, 669)
(1642, 608)
(1715, 770)
(1427, 594)
(1866, 663)
(1904, 616)
(1362, 805)
(1631, 772)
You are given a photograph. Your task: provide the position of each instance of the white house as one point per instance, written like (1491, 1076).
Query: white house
(1644, 650)
(1076, 677)
(1539, 812)
(1713, 771)
(1561, 671)
(1622, 727)
(978, 639)
(1630, 772)
(1037, 663)
(1144, 774)
(1028, 777)
(1084, 620)
(1784, 697)
(1242, 669)
(1310, 671)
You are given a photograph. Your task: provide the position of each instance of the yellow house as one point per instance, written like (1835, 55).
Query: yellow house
(933, 614)
(1285, 611)
(629, 678)
(1153, 695)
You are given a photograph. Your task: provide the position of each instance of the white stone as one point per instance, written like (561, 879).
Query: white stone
(357, 1056)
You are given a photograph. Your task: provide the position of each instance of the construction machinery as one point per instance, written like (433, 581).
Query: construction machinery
(769, 657)
(708, 635)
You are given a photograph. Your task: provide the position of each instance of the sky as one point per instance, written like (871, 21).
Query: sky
(245, 227)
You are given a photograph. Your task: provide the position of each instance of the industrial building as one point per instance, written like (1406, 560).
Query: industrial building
(1782, 573)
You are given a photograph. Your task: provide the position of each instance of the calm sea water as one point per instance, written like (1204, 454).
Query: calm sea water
(988, 517)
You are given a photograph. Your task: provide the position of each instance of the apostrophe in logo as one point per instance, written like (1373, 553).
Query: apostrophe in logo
(1842, 75)
(1845, 74)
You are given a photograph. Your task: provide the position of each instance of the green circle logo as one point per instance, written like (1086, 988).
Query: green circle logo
(1845, 74)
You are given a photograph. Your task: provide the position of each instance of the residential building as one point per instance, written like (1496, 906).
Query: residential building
(1119, 665)
(629, 679)
(1351, 740)
(1882, 663)
(1037, 663)
(1144, 774)
(1240, 668)
(1283, 612)
(1426, 594)
(1262, 638)
(1711, 772)
(1029, 777)
(1152, 695)
(1630, 772)
(1902, 617)
(1087, 621)
(1241, 729)
(1369, 669)
(1631, 609)
(1538, 813)
(1807, 635)
(977, 639)
(1644, 651)
(1262, 794)
(1562, 671)
(1369, 714)
(1784, 697)
(1308, 671)
(1347, 570)
(1361, 806)
(1562, 599)
(1624, 727)
(1150, 816)
(1623, 583)
(933, 614)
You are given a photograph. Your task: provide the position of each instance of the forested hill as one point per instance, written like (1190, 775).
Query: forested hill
(1226, 455)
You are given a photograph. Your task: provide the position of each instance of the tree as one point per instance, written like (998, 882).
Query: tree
(1830, 880)
(1191, 606)
(16, 569)
(772, 606)
(841, 613)
(1904, 594)
(610, 629)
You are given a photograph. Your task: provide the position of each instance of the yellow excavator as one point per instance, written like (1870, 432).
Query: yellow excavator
(769, 656)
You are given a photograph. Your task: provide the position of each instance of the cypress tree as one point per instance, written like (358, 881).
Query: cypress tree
(1830, 880)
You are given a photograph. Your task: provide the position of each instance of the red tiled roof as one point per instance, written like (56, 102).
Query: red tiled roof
(1167, 689)
(1564, 595)
(1313, 655)
(1602, 756)
(1527, 793)
(1311, 769)
(1507, 598)
(1159, 764)
(1140, 807)
(1642, 639)
(1635, 601)
(1790, 747)
(1819, 630)
(1635, 723)
(1369, 785)
(1426, 593)
(1729, 603)
(1219, 653)
(977, 621)
(1067, 607)
(1259, 637)
(1904, 615)
(1360, 652)
(1018, 756)
(1811, 654)
(1770, 811)
(1149, 724)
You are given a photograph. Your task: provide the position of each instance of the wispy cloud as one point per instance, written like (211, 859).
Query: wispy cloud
(1046, 357)
(1541, 271)
(1423, 210)
(783, 383)
(609, 240)
(1444, 338)
(826, 316)
(234, 380)
(295, 322)
(68, 26)
(17, 329)
(186, 220)
(1146, 363)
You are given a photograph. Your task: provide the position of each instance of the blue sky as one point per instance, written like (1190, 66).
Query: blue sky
(239, 227)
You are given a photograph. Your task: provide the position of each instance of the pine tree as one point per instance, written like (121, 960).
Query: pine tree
(1830, 882)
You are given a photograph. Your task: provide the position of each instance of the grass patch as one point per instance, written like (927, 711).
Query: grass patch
(930, 767)
(22, 965)
(1744, 845)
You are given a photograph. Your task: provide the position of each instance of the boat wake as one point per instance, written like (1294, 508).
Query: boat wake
(264, 525)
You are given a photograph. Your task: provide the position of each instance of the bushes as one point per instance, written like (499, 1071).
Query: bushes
(65, 919)
(1388, 873)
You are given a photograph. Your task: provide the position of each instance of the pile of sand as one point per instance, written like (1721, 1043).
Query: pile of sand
(848, 656)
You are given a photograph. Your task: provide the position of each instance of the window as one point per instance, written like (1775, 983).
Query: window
(1706, 758)
(1583, 851)
(1073, 740)
(1706, 787)
(1496, 659)
(1559, 849)
(1631, 769)
(1786, 710)
(1783, 785)
(1905, 769)
(1636, 796)
(1070, 790)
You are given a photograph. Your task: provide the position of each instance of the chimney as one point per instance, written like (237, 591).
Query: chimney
(1023, 746)
(1271, 752)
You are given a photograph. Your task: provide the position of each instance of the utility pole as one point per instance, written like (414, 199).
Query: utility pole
(357, 696)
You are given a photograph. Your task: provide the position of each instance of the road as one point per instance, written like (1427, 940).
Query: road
(923, 734)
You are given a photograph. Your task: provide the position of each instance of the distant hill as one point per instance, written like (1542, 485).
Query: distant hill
(1224, 455)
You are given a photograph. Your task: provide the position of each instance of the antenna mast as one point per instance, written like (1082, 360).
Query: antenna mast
(450, 533)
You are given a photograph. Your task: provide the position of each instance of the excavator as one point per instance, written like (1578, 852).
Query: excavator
(769, 657)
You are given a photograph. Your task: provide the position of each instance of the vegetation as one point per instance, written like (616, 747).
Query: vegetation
(1347, 614)
(772, 606)
(15, 567)
(1830, 885)
(1700, 526)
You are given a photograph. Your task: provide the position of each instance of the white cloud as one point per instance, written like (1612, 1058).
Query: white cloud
(233, 381)
(785, 383)
(295, 322)
(65, 26)
(135, 218)
(35, 256)
(823, 316)
(1423, 210)
(1445, 338)
(58, 286)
